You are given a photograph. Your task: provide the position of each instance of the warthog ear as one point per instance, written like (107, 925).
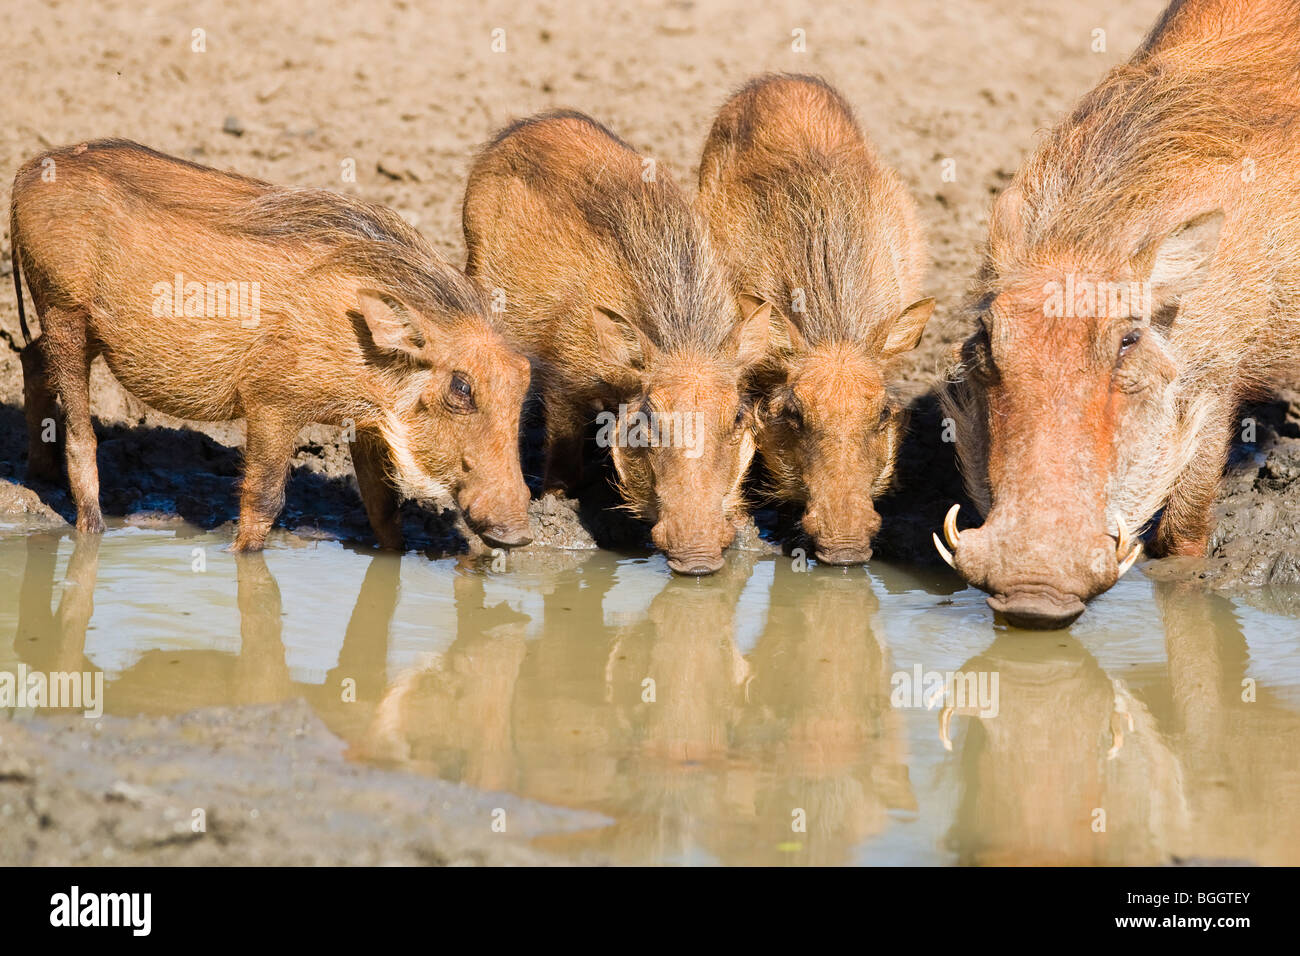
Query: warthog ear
(1178, 263)
(751, 337)
(622, 349)
(782, 334)
(905, 334)
(393, 325)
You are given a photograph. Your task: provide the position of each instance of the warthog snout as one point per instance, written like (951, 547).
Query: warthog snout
(499, 519)
(506, 536)
(693, 548)
(696, 565)
(1036, 578)
(842, 532)
(1036, 606)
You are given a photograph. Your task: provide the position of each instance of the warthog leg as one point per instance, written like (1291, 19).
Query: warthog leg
(270, 444)
(370, 462)
(69, 354)
(39, 408)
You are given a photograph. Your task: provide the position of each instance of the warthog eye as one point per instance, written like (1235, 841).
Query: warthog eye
(1130, 339)
(460, 394)
(782, 409)
(977, 355)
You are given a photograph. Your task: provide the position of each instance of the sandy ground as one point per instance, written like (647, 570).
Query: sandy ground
(242, 786)
(952, 92)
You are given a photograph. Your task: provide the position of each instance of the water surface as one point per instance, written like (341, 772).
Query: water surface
(763, 715)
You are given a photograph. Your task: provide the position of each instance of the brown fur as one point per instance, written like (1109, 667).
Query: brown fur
(812, 222)
(1178, 171)
(357, 319)
(609, 281)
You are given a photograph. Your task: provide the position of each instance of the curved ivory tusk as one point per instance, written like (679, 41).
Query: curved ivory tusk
(1128, 562)
(950, 527)
(945, 717)
(933, 696)
(1117, 733)
(611, 662)
(1122, 541)
(943, 552)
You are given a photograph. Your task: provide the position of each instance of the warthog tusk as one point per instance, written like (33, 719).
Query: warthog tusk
(950, 527)
(1117, 721)
(950, 535)
(945, 716)
(1119, 716)
(1128, 562)
(943, 552)
(1123, 553)
(933, 696)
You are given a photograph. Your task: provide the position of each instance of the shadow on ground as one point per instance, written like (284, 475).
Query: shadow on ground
(159, 473)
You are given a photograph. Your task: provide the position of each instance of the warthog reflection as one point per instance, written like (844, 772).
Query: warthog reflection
(661, 722)
(656, 717)
(730, 745)
(1081, 768)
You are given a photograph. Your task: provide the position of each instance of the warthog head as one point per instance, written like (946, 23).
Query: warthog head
(455, 391)
(683, 439)
(1071, 428)
(829, 430)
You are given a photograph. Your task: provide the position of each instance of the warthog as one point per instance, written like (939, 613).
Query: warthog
(1142, 277)
(811, 221)
(604, 274)
(214, 297)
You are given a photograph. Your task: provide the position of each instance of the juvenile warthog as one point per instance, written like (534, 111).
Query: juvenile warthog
(604, 274)
(811, 221)
(215, 297)
(1142, 276)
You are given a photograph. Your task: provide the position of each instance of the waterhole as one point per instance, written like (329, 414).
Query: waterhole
(775, 713)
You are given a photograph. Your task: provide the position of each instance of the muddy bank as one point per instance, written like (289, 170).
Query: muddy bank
(153, 473)
(1255, 548)
(273, 786)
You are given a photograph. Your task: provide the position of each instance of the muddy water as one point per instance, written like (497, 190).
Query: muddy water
(769, 714)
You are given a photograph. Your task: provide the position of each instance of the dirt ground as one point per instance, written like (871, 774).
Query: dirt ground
(259, 785)
(952, 91)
